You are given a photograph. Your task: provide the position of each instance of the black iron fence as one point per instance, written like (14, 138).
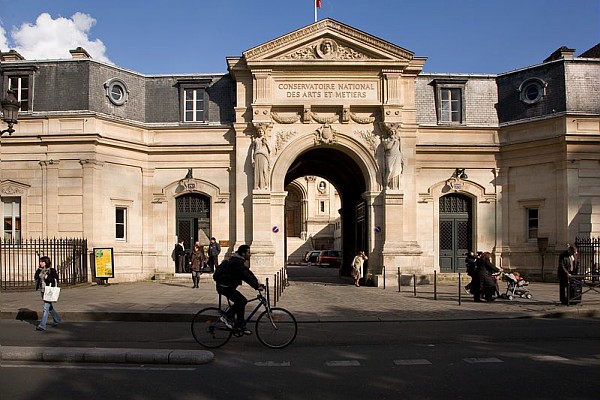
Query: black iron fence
(20, 259)
(589, 256)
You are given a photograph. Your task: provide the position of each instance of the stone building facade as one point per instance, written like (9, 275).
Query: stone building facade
(418, 167)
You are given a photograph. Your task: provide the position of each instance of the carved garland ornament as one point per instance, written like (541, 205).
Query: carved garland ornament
(361, 120)
(292, 119)
(324, 120)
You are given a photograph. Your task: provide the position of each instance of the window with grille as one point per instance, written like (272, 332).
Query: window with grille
(449, 98)
(121, 223)
(194, 105)
(532, 223)
(11, 226)
(450, 110)
(20, 87)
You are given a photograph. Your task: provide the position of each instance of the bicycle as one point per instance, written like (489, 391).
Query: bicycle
(275, 327)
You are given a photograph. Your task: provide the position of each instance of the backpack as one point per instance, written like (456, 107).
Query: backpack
(173, 255)
(220, 270)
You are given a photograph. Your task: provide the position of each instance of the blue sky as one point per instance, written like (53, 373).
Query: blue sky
(195, 36)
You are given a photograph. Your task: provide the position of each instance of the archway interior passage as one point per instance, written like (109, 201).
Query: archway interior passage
(345, 174)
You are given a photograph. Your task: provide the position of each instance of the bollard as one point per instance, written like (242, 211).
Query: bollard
(267, 289)
(415, 284)
(275, 291)
(384, 276)
(459, 292)
(435, 285)
(399, 280)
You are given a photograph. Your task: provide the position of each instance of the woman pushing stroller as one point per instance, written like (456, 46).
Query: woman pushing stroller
(483, 284)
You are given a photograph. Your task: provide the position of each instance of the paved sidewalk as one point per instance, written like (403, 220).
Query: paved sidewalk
(321, 299)
(309, 301)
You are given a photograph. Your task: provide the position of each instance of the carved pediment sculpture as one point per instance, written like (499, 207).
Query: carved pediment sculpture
(326, 49)
(327, 40)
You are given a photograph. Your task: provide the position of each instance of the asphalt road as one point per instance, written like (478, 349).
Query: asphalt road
(491, 359)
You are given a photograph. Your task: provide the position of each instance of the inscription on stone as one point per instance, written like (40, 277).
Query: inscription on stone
(303, 91)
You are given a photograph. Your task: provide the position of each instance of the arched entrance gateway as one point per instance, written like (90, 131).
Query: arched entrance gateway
(331, 101)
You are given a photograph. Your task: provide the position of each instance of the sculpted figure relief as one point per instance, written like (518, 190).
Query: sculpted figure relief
(262, 158)
(327, 49)
(393, 159)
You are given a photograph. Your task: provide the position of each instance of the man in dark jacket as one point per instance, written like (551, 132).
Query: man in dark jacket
(178, 255)
(214, 249)
(564, 272)
(236, 271)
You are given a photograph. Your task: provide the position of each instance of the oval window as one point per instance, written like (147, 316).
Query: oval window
(116, 91)
(532, 90)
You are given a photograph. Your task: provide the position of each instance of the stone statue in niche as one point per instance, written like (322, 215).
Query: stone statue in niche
(262, 157)
(394, 163)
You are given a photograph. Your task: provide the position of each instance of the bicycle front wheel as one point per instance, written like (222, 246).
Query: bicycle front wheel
(276, 329)
(208, 331)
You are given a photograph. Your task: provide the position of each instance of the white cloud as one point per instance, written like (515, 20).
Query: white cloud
(53, 38)
(3, 40)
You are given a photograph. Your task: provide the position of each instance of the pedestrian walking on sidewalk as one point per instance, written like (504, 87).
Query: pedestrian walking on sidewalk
(46, 275)
(357, 267)
(566, 268)
(197, 262)
(214, 249)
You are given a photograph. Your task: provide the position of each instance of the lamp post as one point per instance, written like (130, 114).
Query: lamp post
(10, 111)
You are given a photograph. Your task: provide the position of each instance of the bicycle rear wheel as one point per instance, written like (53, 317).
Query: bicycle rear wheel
(276, 329)
(207, 330)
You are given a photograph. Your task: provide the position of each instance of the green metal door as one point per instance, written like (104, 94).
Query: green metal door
(455, 234)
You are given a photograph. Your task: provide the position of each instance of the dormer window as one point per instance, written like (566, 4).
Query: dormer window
(449, 97)
(194, 100)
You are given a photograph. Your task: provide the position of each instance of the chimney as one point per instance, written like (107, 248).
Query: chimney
(11, 55)
(79, 53)
(562, 52)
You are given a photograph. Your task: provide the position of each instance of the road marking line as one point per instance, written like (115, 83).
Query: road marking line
(97, 367)
(344, 363)
(272, 364)
(482, 360)
(412, 362)
(549, 358)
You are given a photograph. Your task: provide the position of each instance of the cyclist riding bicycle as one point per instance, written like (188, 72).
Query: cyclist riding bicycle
(234, 272)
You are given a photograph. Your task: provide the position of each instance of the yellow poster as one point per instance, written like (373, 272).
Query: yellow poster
(104, 263)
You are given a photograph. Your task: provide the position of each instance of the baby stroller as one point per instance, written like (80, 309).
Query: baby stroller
(516, 286)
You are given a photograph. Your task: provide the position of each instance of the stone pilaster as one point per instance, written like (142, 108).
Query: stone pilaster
(50, 198)
(93, 211)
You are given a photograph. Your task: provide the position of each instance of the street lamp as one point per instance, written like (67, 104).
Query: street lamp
(10, 111)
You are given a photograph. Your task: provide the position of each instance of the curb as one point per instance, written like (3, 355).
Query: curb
(185, 317)
(106, 355)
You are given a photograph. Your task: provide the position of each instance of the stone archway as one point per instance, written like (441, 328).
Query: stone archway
(350, 167)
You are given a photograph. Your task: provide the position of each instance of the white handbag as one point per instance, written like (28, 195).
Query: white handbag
(51, 293)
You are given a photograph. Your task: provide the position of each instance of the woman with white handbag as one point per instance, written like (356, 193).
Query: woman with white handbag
(47, 281)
